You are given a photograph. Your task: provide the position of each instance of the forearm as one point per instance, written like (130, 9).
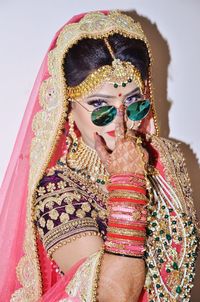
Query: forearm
(123, 269)
(121, 279)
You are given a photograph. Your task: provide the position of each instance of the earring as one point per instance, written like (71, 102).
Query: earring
(72, 140)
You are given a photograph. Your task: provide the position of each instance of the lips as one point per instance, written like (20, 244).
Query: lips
(111, 133)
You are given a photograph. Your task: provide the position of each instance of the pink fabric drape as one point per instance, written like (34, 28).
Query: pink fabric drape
(13, 192)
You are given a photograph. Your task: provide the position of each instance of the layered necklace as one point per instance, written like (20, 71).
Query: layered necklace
(85, 161)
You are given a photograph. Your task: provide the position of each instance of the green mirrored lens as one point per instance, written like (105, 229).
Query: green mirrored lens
(138, 110)
(103, 115)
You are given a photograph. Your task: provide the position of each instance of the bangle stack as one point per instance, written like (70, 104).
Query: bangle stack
(127, 215)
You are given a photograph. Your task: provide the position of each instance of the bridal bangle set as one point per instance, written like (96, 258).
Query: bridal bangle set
(127, 215)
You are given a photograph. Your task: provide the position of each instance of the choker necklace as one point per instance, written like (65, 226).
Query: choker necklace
(85, 161)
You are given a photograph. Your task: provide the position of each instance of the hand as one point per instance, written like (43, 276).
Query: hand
(128, 156)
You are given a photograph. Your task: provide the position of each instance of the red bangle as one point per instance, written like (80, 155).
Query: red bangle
(114, 187)
(131, 227)
(126, 237)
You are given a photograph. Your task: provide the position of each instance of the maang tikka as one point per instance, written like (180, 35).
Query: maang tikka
(71, 140)
(123, 72)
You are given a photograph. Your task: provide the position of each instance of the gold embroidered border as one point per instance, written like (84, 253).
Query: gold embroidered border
(71, 239)
(176, 173)
(90, 191)
(65, 230)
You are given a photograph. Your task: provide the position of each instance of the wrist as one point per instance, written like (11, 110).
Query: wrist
(136, 179)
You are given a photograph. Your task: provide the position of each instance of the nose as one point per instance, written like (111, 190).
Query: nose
(121, 109)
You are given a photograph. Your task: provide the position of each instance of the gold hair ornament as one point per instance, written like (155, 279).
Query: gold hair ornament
(120, 73)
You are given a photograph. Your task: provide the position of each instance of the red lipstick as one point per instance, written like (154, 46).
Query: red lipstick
(111, 133)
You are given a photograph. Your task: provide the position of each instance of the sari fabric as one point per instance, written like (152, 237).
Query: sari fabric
(39, 146)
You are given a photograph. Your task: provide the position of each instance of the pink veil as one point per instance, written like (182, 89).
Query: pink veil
(13, 192)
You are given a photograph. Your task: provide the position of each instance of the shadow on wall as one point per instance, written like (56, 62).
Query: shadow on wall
(161, 60)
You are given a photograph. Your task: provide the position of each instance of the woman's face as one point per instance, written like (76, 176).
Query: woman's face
(106, 95)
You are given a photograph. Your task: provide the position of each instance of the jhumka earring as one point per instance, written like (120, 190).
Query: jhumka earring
(72, 140)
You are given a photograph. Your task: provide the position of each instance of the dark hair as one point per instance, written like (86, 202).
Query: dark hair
(90, 54)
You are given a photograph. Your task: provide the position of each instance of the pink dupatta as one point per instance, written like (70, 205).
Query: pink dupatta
(13, 192)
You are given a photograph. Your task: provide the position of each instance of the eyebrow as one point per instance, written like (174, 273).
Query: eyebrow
(111, 96)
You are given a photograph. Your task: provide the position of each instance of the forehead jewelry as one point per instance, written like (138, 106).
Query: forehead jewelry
(120, 73)
(123, 72)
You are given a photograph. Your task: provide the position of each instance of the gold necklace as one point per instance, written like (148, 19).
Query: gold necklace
(85, 161)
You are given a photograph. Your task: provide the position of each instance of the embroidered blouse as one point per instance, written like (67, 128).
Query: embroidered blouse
(67, 207)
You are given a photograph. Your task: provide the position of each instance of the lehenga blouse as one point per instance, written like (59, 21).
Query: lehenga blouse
(67, 207)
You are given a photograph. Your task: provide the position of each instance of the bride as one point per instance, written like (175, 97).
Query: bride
(96, 206)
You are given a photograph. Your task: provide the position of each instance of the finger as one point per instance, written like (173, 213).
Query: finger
(131, 133)
(119, 124)
(100, 147)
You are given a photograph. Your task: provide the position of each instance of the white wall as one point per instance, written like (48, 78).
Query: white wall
(27, 27)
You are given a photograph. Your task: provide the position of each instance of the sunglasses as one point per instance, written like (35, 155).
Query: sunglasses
(104, 115)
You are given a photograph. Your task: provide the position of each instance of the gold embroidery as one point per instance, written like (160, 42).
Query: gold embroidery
(55, 199)
(70, 209)
(67, 230)
(71, 239)
(176, 173)
(50, 224)
(93, 189)
(61, 184)
(80, 213)
(172, 237)
(49, 205)
(42, 222)
(41, 190)
(64, 217)
(51, 187)
(94, 214)
(41, 232)
(86, 278)
(53, 214)
(86, 207)
(102, 214)
(87, 190)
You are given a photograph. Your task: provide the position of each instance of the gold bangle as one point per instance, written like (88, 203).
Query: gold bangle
(127, 232)
(130, 194)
